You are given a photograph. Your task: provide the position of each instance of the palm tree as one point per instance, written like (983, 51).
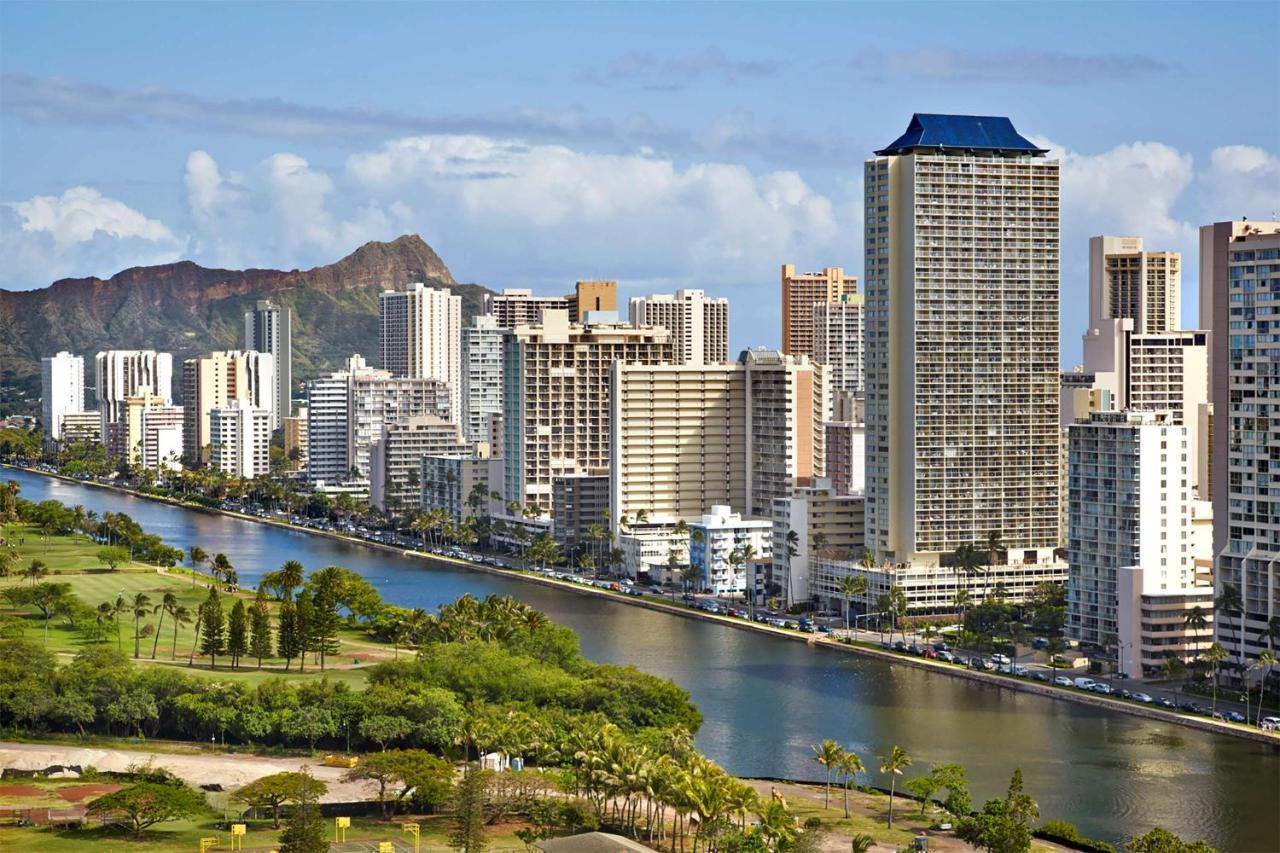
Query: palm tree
(140, 606)
(793, 551)
(118, 607)
(995, 547)
(198, 557)
(849, 766)
(220, 568)
(828, 754)
(104, 614)
(962, 599)
(181, 615)
(166, 605)
(1214, 656)
(1229, 601)
(893, 764)
(36, 570)
(850, 586)
(1266, 660)
(1195, 620)
(967, 560)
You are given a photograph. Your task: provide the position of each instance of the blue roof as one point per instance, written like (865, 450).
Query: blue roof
(972, 133)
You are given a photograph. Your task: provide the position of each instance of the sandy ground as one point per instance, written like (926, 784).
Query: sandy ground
(229, 771)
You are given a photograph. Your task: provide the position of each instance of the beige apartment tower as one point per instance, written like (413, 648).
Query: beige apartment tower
(420, 337)
(216, 381)
(800, 292)
(521, 307)
(1126, 282)
(962, 438)
(699, 326)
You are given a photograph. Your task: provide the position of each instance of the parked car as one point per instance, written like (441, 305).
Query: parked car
(1144, 698)
(1084, 683)
(944, 655)
(1039, 643)
(940, 647)
(1164, 702)
(1233, 716)
(1001, 659)
(1102, 687)
(1039, 676)
(1062, 681)
(1271, 724)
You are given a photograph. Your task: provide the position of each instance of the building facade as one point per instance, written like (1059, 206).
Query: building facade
(296, 443)
(240, 440)
(521, 307)
(718, 551)
(378, 400)
(1240, 305)
(61, 391)
(962, 245)
(268, 328)
(216, 381)
(1126, 282)
(481, 376)
(838, 343)
(800, 293)
(826, 524)
(81, 428)
(420, 337)
(580, 502)
(121, 374)
(328, 423)
(556, 398)
(395, 468)
(162, 446)
(699, 326)
(787, 403)
(846, 446)
(449, 480)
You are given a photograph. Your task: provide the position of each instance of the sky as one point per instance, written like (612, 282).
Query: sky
(663, 145)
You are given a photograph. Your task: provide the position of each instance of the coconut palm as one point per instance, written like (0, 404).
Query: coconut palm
(104, 614)
(38, 569)
(119, 607)
(181, 615)
(851, 586)
(1266, 661)
(893, 764)
(198, 558)
(166, 605)
(1214, 656)
(140, 607)
(1229, 601)
(849, 766)
(828, 754)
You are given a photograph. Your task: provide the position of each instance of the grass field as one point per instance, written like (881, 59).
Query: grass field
(73, 560)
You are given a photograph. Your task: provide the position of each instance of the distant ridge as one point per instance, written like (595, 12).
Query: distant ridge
(187, 309)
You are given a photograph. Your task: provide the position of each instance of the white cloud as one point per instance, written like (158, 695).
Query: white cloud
(78, 233)
(1242, 180)
(81, 213)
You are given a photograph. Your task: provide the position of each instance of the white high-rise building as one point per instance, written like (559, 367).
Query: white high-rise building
(61, 390)
(328, 408)
(241, 440)
(121, 374)
(162, 428)
(838, 343)
(1130, 535)
(962, 378)
(481, 376)
(268, 329)
(217, 380)
(421, 337)
(699, 326)
(1240, 305)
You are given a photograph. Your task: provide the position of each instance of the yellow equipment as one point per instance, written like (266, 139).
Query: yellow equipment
(333, 759)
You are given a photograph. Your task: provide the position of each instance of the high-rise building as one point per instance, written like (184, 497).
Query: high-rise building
(1240, 305)
(481, 376)
(1127, 283)
(962, 379)
(328, 423)
(61, 391)
(240, 439)
(1130, 536)
(846, 447)
(395, 467)
(556, 400)
(420, 337)
(838, 343)
(131, 429)
(448, 482)
(121, 374)
(82, 428)
(687, 437)
(699, 326)
(216, 381)
(268, 329)
(800, 293)
(162, 428)
(378, 400)
(295, 439)
(520, 307)
(578, 503)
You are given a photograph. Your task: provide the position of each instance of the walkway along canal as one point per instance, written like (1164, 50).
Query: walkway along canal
(766, 699)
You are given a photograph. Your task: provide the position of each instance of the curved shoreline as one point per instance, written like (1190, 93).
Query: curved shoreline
(652, 603)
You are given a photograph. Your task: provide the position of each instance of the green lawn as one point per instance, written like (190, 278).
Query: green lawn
(57, 552)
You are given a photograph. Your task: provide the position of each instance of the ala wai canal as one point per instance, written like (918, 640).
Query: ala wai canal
(766, 700)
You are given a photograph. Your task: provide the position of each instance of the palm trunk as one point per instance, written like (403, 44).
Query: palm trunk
(893, 782)
(156, 641)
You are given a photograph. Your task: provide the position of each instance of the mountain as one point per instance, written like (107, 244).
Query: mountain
(187, 309)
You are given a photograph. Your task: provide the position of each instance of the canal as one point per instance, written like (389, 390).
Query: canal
(766, 700)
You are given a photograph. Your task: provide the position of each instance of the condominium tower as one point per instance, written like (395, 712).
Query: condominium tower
(800, 292)
(122, 374)
(1126, 282)
(1240, 304)
(521, 307)
(838, 343)
(556, 399)
(481, 376)
(240, 440)
(61, 390)
(699, 326)
(268, 329)
(420, 337)
(218, 380)
(962, 342)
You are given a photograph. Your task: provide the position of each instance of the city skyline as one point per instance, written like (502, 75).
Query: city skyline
(682, 135)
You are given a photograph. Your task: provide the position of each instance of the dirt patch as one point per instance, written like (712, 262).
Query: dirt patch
(79, 793)
(21, 791)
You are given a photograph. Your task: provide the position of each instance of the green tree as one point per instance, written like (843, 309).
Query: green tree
(140, 607)
(212, 627)
(304, 832)
(468, 806)
(145, 804)
(1003, 826)
(35, 570)
(1214, 656)
(260, 628)
(304, 618)
(237, 632)
(288, 644)
(324, 625)
(113, 556)
(271, 792)
(893, 764)
(166, 606)
(849, 766)
(1160, 840)
(384, 728)
(827, 754)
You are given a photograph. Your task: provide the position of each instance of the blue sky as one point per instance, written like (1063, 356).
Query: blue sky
(663, 145)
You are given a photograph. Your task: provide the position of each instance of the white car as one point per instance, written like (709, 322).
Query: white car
(1062, 681)
(1271, 724)
(1001, 660)
(1144, 698)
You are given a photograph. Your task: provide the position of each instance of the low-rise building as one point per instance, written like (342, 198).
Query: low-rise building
(654, 549)
(580, 502)
(240, 440)
(718, 550)
(826, 524)
(81, 428)
(449, 480)
(296, 441)
(396, 458)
